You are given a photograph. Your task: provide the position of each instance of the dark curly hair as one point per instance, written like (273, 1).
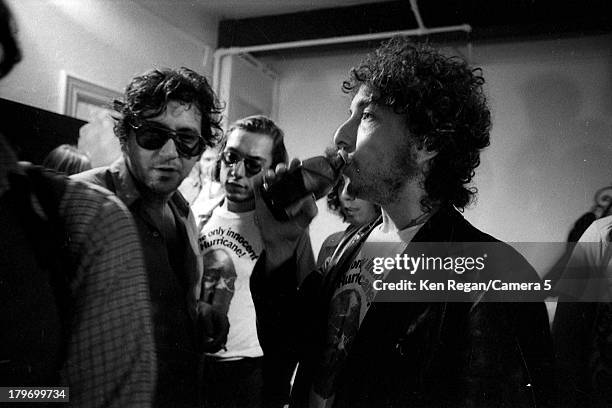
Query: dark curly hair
(147, 95)
(333, 200)
(335, 205)
(444, 105)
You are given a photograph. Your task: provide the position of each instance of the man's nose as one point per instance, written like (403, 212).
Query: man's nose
(238, 169)
(346, 135)
(168, 150)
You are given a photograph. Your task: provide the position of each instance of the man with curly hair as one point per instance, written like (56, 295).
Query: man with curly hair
(167, 118)
(417, 123)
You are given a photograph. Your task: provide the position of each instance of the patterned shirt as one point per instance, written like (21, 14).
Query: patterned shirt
(174, 272)
(110, 357)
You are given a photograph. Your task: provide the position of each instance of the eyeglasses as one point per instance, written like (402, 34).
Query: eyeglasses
(252, 166)
(152, 136)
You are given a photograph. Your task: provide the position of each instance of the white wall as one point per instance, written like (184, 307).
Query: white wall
(551, 146)
(311, 106)
(188, 18)
(551, 140)
(103, 41)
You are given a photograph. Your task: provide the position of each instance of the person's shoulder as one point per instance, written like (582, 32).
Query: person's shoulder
(95, 219)
(475, 235)
(604, 221)
(501, 257)
(327, 248)
(96, 176)
(448, 224)
(598, 231)
(333, 239)
(87, 186)
(84, 199)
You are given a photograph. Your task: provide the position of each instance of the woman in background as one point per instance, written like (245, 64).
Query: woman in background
(67, 159)
(355, 211)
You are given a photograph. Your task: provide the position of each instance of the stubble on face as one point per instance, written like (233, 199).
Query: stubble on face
(384, 157)
(159, 172)
(381, 182)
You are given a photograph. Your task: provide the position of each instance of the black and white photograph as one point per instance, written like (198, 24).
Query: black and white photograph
(306, 203)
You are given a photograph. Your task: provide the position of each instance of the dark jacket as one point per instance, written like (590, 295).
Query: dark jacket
(406, 354)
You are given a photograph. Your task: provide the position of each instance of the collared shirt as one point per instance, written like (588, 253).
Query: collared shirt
(174, 271)
(110, 359)
(118, 180)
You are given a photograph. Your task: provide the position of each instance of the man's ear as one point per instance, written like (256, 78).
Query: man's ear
(423, 152)
(424, 155)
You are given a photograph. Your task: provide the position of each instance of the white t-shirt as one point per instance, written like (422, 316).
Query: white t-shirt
(231, 244)
(588, 272)
(349, 304)
(595, 255)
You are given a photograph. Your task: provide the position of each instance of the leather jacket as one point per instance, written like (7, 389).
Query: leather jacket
(408, 354)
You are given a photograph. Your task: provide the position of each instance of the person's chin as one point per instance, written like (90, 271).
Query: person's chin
(166, 185)
(235, 189)
(165, 188)
(237, 197)
(167, 177)
(353, 217)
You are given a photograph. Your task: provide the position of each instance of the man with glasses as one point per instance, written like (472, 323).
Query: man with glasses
(231, 245)
(167, 118)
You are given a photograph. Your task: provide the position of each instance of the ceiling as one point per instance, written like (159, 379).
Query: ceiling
(257, 22)
(238, 9)
(490, 20)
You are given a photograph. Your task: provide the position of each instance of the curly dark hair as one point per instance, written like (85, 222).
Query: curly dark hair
(445, 108)
(147, 95)
(333, 200)
(335, 205)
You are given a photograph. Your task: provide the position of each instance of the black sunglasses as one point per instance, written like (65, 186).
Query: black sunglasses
(152, 136)
(252, 166)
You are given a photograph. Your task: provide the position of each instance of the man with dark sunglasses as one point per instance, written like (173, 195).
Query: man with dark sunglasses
(167, 118)
(231, 245)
